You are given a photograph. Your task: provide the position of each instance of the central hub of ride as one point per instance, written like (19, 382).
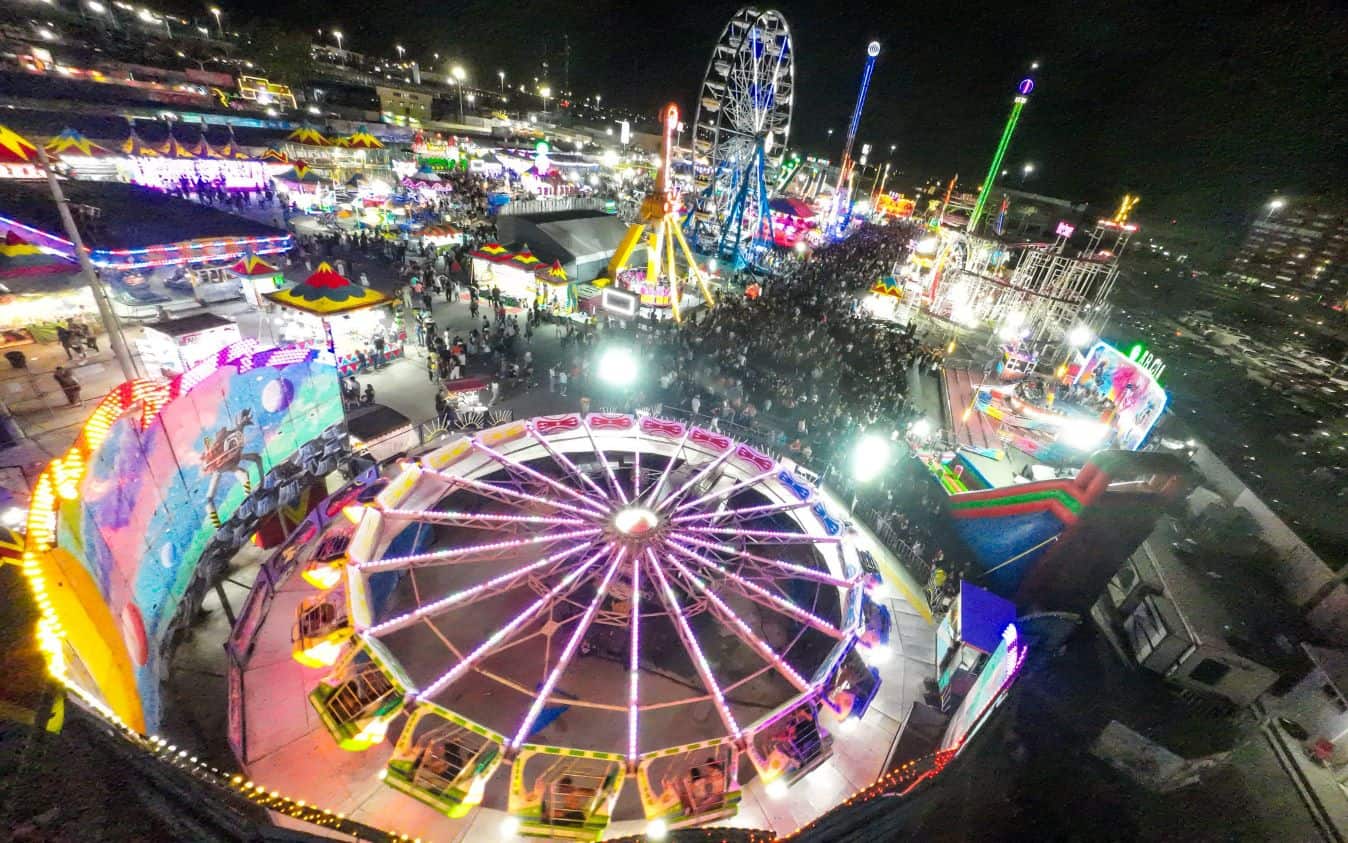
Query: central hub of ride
(636, 522)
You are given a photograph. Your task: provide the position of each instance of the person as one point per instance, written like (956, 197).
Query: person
(66, 339)
(364, 280)
(83, 333)
(379, 349)
(367, 397)
(561, 383)
(69, 385)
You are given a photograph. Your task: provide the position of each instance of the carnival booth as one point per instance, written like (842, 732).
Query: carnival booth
(554, 288)
(304, 186)
(81, 157)
(882, 300)
(353, 322)
(655, 295)
(486, 258)
(792, 219)
(18, 157)
(257, 278)
(172, 346)
(440, 236)
(516, 278)
(176, 165)
(37, 290)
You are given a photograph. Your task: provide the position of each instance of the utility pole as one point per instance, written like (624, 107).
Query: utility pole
(566, 64)
(110, 323)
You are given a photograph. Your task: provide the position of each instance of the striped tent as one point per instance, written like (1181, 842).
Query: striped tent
(172, 148)
(253, 265)
(494, 252)
(203, 149)
(71, 144)
(275, 155)
(554, 274)
(309, 136)
(301, 173)
(525, 259)
(15, 149)
(326, 293)
(888, 286)
(136, 148)
(21, 259)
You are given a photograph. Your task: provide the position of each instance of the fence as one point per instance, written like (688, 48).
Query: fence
(550, 206)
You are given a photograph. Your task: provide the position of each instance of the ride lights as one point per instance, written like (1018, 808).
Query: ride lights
(657, 829)
(776, 789)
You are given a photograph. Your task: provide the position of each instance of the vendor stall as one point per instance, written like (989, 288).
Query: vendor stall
(554, 289)
(485, 260)
(172, 346)
(257, 278)
(357, 324)
(515, 278)
(18, 157)
(36, 291)
(302, 186)
(80, 157)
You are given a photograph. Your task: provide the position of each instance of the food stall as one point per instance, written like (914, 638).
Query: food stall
(257, 278)
(172, 346)
(329, 311)
(515, 278)
(302, 186)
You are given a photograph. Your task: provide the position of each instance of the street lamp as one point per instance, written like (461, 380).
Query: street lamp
(215, 11)
(1080, 336)
(892, 147)
(401, 51)
(870, 457)
(458, 74)
(500, 74)
(598, 98)
(1025, 173)
(545, 92)
(337, 35)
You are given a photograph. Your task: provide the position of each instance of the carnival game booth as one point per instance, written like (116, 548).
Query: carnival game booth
(37, 291)
(305, 188)
(554, 289)
(326, 310)
(517, 278)
(485, 259)
(172, 346)
(883, 299)
(142, 242)
(459, 631)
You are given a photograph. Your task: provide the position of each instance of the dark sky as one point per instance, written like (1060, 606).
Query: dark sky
(1204, 108)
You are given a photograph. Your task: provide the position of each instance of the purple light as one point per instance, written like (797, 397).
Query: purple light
(453, 553)
(695, 479)
(541, 698)
(798, 570)
(633, 662)
(536, 475)
(491, 490)
(449, 515)
(1025, 87)
(603, 460)
(754, 511)
(458, 670)
(566, 463)
(726, 492)
(765, 536)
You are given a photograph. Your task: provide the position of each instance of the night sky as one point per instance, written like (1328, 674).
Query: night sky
(1204, 108)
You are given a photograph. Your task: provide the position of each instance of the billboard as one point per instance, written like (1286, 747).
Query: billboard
(155, 473)
(1138, 398)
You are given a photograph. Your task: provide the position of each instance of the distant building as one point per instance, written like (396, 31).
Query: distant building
(1298, 247)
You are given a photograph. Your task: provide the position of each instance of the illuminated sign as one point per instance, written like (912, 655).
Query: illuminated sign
(1129, 381)
(619, 302)
(1025, 87)
(265, 92)
(1064, 229)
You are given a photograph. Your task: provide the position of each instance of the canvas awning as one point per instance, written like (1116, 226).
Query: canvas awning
(309, 136)
(15, 148)
(71, 143)
(253, 265)
(326, 293)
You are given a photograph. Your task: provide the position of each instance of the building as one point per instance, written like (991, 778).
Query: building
(1298, 247)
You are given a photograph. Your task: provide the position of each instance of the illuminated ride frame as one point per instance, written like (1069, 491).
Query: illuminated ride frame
(628, 546)
(659, 215)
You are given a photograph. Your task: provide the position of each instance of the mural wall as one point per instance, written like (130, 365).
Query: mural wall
(1138, 398)
(157, 472)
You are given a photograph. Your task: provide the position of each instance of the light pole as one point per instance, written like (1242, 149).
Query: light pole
(870, 459)
(1275, 204)
(1025, 173)
(545, 92)
(500, 74)
(215, 11)
(401, 51)
(892, 147)
(337, 35)
(459, 75)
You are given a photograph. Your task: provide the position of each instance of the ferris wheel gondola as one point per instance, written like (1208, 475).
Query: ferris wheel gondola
(740, 134)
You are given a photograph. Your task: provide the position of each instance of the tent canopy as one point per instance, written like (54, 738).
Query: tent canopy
(274, 154)
(553, 274)
(362, 139)
(309, 136)
(301, 173)
(792, 207)
(21, 259)
(71, 143)
(326, 293)
(253, 265)
(134, 146)
(15, 149)
(494, 252)
(888, 286)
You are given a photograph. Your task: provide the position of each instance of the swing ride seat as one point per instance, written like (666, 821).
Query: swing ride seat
(321, 629)
(698, 786)
(571, 800)
(800, 747)
(356, 705)
(445, 768)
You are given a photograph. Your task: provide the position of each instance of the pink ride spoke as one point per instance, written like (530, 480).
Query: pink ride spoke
(565, 462)
(516, 465)
(742, 630)
(488, 490)
(469, 595)
(795, 570)
(763, 536)
(541, 698)
(500, 635)
(446, 517)
(457, 554)
(728, 490)
(634, 663)
(742, 512)
(654, 491)
(761, 595)
(690, 644)
(711, 466)
(608, 469)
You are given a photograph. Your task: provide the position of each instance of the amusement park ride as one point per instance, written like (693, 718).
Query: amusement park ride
(659, 218)
(841, 214)
(740, 136)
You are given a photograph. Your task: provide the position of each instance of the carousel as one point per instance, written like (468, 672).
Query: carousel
(578, 620)
(359, 325)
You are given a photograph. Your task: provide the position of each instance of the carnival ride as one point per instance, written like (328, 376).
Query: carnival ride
(659, 217)
(740, 133)
(653, 602)
(841, 215)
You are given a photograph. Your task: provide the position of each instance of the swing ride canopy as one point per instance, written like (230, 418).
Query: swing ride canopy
(604, 583)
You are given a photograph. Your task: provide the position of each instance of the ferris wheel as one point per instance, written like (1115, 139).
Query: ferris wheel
(740, 135)
(631, 595)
